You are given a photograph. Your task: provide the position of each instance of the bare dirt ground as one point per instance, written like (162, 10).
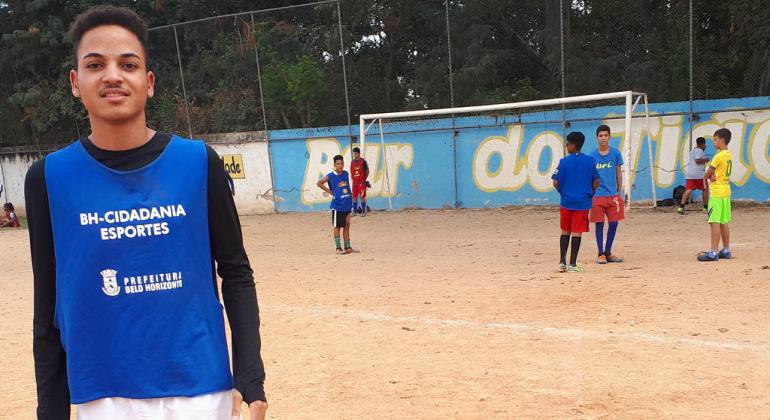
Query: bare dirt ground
(461, 314)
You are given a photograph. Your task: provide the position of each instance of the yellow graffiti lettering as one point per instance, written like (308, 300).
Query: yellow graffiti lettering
(514, 171)
(759, 149)
(509, 176)
(666, 150)
(385, 178)
(668, 135)
(319, 163)
(737, 122)
(541, 181)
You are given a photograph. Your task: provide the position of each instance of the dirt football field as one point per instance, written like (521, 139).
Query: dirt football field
(462, 314)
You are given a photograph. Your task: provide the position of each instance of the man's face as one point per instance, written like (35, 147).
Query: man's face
(702, 146)
(339, 165)
(356, 155)
(111, 77)
(603, 138)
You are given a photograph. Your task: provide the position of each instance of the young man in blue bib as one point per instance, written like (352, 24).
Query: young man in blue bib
(337, 184)
(126, 228)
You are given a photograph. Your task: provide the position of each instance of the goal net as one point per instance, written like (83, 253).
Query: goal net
(510, 150)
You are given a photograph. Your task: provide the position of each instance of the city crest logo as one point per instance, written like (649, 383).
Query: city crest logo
(110, 280)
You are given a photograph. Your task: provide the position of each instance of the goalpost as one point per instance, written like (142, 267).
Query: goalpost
(629, 99)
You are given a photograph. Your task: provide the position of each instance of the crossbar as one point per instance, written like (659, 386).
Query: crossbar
(498, 107)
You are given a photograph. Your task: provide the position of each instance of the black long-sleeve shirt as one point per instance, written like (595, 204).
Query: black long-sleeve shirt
(227, 250)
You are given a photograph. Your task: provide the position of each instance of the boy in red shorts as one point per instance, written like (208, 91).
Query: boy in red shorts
(696, 171)
(359, 171)
(608, 201)
(576, 180)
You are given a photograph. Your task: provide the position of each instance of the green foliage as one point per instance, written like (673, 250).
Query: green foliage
(396, 56)
(295, 90)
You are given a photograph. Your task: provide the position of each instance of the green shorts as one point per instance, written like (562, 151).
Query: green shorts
(720, 210)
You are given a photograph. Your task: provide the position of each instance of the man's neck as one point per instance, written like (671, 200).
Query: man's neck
(604, 150)
(122, 136)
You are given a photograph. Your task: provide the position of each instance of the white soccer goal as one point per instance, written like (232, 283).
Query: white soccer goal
(633, 128)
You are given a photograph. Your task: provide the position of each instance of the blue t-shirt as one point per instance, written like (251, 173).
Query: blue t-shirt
(605, 165)
(576, 173)
(342, 199)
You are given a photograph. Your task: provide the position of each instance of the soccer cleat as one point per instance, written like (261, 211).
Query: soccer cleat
(574, 269)
(601, 260)
(724, 254)
(614, 259)
(708, 256)
(680, 210)
(351, 251)
(562, 268)
(340, 251)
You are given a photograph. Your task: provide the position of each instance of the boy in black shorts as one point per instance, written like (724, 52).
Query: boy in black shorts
(337, 184)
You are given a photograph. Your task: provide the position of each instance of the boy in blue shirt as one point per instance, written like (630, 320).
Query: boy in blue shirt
(576, 179)
(607, 201)
(337, 184)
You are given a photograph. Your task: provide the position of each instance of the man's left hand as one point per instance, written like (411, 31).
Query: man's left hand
(257, 409)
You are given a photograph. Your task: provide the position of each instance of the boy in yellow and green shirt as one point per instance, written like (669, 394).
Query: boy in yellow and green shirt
(719, 209)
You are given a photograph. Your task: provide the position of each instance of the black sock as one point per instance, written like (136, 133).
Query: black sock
(574, 250)
(563, 244)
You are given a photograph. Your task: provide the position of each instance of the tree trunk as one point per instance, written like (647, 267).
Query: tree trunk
(285, 118)
(388, 74)
(757, 78)
(303, 120)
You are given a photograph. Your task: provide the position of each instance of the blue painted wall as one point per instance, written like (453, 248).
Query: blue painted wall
(495, 161)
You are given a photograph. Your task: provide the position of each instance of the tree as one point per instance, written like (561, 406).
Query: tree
(396, 54)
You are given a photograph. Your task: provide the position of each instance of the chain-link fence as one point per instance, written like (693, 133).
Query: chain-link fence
(731, 49)
(323, 63)
(262, 70)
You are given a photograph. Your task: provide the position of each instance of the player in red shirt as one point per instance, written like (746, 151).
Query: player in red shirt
(359, 171)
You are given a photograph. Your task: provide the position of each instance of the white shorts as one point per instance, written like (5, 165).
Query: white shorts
(214, 406)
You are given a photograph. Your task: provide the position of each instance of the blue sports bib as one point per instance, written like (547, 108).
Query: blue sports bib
(342, 199)
(135, 298)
